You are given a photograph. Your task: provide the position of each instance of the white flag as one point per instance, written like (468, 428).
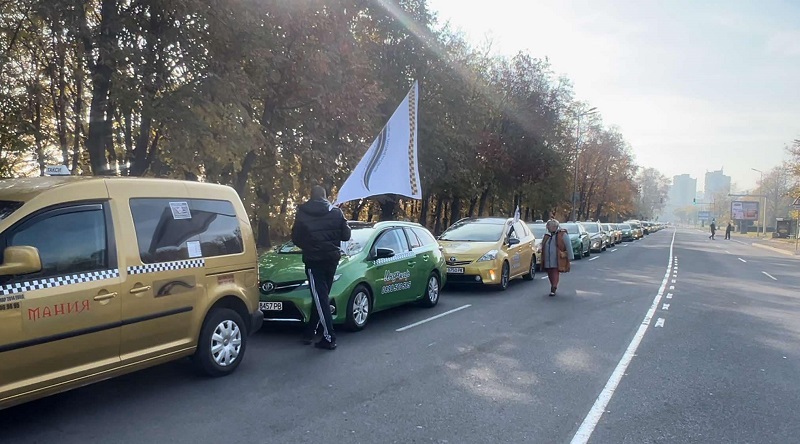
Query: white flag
(516, 215)
(390, 164)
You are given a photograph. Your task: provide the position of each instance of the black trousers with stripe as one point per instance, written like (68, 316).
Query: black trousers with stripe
(320, 281)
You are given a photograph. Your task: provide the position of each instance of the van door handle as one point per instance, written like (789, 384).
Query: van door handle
(105, 297)
(137, 290)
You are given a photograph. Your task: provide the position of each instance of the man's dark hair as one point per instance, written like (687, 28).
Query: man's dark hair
(318, 193)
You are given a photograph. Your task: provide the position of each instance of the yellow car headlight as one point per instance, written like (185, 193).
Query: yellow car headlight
(489, 256)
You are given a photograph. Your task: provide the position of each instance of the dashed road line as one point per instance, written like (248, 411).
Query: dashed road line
(660, 322)
(589, 423)
(669, 295)
(433, 317)
(594, 258)
(770, 276)
(665, 307)
(544, 277)
(743, 260)
(614, 250)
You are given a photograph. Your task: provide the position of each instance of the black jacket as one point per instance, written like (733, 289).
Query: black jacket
(319, 228)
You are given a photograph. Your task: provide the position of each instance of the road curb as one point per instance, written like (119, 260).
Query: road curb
(777, 250)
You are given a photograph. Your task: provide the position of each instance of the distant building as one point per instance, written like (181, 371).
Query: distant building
(683, 190)
(717, 183)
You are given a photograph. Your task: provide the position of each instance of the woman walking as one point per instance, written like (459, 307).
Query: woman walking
(556, 253)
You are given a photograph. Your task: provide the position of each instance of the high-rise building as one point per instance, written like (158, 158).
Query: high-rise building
(717, 183)
(683, 190)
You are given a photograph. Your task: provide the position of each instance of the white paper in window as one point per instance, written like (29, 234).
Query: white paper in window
(180, 210)
(194, 249)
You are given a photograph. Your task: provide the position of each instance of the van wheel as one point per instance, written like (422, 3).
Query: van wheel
(358, 308)
(222, 343)
(432, 291)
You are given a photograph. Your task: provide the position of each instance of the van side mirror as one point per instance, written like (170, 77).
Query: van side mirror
(384, 253)
(20, 260)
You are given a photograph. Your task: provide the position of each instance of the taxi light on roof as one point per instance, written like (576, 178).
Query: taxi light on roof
(57, 170)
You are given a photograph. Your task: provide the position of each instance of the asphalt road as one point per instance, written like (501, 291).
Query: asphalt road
(721, 363)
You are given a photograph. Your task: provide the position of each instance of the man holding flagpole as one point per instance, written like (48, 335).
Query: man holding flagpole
(319, 229)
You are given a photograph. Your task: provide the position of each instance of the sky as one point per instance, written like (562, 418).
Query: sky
(694, 86)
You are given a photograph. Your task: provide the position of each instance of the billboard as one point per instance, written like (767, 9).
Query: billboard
(704, 215)
(742, 210)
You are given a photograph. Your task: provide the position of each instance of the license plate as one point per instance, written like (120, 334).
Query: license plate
(455, 270)
(270, 306)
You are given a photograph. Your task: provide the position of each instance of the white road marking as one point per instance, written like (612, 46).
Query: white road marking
(665, 307)
(660, 322)
(674, 281)
(669, 295)
(743, 260)
(727, 251)
(770, 276)
(594, 258)
(433, 317)
(614, 250)
(593, 417)
(626, 245)
(544, 277)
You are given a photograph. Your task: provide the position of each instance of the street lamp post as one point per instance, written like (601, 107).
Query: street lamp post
(575, 163)
(764, 210)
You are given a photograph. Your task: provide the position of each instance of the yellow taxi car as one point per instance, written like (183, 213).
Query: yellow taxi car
(104, 276)
(489, 251)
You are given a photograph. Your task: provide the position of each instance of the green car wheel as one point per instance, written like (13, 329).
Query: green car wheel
(358, 308)
(432, 291)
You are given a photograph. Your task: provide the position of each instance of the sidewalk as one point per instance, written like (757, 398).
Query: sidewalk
(783, 246)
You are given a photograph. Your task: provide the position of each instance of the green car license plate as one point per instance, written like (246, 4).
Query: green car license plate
(270, 306)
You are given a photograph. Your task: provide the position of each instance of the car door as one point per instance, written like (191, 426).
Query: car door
(394, 276)
(63, 322)
(515, 253)
(425, 263)
(162, 289)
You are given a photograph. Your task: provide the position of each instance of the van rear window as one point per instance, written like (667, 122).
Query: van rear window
(179, 229)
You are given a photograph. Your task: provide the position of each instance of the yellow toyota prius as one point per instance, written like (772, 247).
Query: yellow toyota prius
(489, 251)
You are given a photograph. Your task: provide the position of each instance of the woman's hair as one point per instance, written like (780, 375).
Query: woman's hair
(552, 225)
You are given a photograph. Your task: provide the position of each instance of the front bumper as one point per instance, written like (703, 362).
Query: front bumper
(297, 305)
(477, 273)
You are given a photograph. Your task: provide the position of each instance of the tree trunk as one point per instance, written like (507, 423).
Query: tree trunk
(262, 234)
(437, 216)
(244, 173)
(455, 209)
(423, 212)
(472, 206)
(77, 109)
(482, 202)
(388, 207)
(102, 73)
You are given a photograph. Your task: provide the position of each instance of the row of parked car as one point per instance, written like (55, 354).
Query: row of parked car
(594, 237)
(387, 264)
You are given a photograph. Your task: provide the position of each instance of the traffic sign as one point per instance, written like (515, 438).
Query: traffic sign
(704, 215)
(796, 204)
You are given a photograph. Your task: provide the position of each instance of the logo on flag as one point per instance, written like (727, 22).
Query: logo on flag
(382, 169)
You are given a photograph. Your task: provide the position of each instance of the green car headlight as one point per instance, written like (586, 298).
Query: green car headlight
(489, 256)
(335, 278)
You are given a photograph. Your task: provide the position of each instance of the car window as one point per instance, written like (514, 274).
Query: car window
(520, 230)
(592, 228)
(413, 240)
(424, 236)
(571, 228)
(538, 230)
(393, 239)
(474, 231)
(68, 242)
(178, 229)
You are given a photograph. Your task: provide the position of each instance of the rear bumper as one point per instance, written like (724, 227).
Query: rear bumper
(256, 321)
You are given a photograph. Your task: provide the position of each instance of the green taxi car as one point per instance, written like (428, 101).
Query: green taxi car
(384, 265)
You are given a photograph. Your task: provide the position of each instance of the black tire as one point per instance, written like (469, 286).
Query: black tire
(505, 277)
(588, 252)
(354, 321)
(226, 324)
(578, 256)
(532, 274)
(433, 289)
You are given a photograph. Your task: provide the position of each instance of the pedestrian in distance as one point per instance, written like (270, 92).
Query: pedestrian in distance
(556, 253)
(728, 230)
(713, 227)
(319, 229)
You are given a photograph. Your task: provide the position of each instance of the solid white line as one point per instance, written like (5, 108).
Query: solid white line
(433, 317)
(770, 276)
(596, 257)
(593, 418)
(742, 260)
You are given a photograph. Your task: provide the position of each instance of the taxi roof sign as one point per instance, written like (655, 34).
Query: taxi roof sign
(57, 170)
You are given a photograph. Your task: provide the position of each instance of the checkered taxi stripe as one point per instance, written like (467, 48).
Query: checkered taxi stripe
(41, 284)
(167, 266)
(395, 258)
